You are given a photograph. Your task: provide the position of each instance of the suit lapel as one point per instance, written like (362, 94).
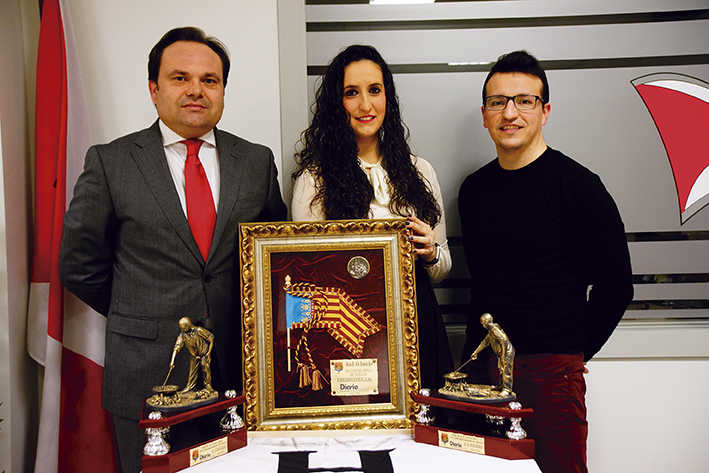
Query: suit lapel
(149, 156)
(230, 180)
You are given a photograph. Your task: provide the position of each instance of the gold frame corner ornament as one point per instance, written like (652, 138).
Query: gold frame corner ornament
(256, 243)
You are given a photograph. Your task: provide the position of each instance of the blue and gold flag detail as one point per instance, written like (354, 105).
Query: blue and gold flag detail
(331, 309)
(298, 309)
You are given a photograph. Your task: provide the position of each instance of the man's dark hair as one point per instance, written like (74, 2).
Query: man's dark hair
(519, 61)
(186, 33)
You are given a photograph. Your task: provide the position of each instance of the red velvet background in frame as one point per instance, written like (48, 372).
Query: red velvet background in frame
(327, 269)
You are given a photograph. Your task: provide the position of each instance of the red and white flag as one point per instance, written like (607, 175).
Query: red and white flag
(64, 334)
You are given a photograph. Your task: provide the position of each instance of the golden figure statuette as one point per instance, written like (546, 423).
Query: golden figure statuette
(198, 343)
(455, 386)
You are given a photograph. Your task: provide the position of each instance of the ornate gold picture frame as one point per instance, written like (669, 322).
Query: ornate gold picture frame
(329, 331)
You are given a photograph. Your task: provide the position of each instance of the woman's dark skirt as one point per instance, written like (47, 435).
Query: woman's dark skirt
(434, 349)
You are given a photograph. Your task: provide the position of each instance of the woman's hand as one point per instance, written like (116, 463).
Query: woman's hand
(423, 238)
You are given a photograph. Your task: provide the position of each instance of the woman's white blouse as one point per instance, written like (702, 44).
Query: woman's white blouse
(303, 208)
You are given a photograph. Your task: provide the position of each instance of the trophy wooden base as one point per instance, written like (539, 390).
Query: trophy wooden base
(481, 444)
(476, 443)
(195, 437)
(176, 461)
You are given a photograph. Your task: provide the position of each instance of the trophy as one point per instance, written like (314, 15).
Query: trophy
(492, 401)
(198, 342)
(455, 386)
(191, 415)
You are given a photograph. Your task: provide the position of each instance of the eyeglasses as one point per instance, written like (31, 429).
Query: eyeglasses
(522, 102)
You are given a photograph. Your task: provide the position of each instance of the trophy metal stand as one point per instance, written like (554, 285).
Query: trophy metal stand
(515, 445)
(157, 457)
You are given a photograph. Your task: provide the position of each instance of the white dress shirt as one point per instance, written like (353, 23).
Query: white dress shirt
(176, 154)
(378, 178)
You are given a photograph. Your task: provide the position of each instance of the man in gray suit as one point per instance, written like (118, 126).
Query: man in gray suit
(151, 231)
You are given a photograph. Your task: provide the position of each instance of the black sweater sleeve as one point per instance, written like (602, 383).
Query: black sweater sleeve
(606, 260)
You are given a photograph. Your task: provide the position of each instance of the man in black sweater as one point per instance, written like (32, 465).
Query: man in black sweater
(546, 249)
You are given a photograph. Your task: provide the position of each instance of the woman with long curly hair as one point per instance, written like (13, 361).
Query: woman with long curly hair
(355, 163)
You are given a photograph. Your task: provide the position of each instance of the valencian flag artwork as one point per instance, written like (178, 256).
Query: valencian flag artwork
(311, 307)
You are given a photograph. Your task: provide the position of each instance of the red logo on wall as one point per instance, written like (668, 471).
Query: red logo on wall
(679, 106)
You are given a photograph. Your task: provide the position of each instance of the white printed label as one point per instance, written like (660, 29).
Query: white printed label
(456, 441)
(208, 451)
(354, 377)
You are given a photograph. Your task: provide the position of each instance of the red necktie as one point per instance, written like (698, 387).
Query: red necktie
(201, 214)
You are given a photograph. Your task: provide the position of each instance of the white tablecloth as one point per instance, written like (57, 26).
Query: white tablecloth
(341, 451)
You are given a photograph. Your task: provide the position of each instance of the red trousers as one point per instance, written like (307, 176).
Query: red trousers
(553, 385)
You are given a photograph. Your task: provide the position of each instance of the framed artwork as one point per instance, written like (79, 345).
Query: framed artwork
(329, 332)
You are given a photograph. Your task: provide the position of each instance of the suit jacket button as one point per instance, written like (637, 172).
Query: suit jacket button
(207, 278)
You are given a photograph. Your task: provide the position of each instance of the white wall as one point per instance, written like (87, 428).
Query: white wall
(16, 371)
(114, 39)
(646, 399)
(648, 415)
(293, 84)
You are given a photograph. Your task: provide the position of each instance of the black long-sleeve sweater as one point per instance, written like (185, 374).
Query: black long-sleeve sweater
(535, 238)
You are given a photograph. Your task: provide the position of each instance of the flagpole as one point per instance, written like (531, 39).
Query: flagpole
(289, 366)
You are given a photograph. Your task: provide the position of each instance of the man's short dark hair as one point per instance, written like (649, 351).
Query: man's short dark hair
(186, 33)
(519, 61)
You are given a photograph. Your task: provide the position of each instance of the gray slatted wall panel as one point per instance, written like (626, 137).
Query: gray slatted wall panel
(592, 50)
